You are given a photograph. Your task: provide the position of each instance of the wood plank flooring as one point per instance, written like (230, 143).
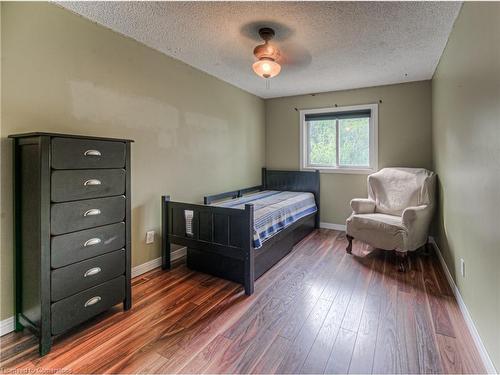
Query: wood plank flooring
(319, 310)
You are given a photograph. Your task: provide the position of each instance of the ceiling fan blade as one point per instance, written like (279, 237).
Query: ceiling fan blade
(294, 56)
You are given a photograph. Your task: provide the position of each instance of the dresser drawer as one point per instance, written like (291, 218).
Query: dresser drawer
(73, 216)
(70, 185)
(74, 310)
(73, 153)
(75, 247)
(76, 277)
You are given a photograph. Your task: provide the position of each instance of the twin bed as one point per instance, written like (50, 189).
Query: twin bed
(241, 234)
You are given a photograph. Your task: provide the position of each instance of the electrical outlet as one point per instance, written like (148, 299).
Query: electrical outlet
(462, 267)
(150, 236)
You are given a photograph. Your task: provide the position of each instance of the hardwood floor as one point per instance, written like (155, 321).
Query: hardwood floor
(319, 310)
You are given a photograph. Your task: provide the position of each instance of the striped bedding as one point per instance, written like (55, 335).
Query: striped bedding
(273, 211)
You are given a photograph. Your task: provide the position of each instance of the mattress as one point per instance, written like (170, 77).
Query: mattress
(273, 211)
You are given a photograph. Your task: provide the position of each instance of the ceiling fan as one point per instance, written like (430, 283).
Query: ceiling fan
(267, 54)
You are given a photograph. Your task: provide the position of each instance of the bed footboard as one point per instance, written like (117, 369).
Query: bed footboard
(225, 233)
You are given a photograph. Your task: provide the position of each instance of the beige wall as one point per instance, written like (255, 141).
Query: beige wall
(466, 133)
(194, 134)
(404, 130)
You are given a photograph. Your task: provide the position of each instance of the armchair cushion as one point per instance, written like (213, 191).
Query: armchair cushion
(378, 230)
(362, 206)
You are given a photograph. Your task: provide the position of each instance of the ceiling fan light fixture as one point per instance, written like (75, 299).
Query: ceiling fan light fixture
(266, 68)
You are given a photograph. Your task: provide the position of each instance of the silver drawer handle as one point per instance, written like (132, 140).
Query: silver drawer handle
(92, 301)
(92, 242)
(92, 182)
(92, 212)
(92, 272)
(92, 153)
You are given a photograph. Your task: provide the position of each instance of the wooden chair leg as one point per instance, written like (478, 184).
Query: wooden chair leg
(428, 248)
(349, 245)
(403, 264)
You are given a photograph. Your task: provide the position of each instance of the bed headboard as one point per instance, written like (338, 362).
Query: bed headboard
(293, 181)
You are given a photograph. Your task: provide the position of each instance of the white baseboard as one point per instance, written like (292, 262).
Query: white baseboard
(152, 264)
(488, 363)
(7, 325)
(332, 226)
(145, 267)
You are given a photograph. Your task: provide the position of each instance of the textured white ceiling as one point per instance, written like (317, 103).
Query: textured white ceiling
(326, 46)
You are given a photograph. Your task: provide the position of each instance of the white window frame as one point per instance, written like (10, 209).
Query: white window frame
(373, 142)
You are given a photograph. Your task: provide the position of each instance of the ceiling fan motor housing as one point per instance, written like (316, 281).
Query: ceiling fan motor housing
(266, 50)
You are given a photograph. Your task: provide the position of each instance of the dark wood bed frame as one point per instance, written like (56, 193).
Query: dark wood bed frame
(221, 243)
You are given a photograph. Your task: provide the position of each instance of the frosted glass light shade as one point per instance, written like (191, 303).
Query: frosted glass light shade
(266, 68)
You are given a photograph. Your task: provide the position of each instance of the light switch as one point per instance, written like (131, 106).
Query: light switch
(150, 236)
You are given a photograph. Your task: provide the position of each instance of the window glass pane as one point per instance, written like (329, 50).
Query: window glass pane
(322, 143)
(354, 142)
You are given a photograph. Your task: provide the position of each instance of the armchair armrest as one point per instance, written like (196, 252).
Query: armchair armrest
(417, 219)
(416, 213)
(362, 206)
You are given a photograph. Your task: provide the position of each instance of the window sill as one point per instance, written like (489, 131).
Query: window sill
(341, 170)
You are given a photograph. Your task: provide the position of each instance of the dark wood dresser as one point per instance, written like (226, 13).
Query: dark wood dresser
(72, 230)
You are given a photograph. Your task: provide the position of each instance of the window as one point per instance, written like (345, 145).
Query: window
(341, 139)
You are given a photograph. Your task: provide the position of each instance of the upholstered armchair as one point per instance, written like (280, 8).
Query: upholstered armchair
(397, 213)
